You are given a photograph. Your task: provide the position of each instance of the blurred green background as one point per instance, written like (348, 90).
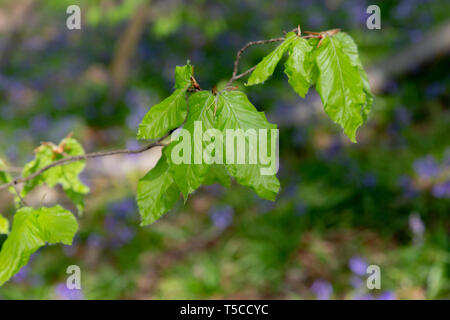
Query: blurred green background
(343, 206)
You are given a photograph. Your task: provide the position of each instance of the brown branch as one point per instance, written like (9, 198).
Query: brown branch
(19, 196)
(83, 157)
(297, 31)
(235, 76)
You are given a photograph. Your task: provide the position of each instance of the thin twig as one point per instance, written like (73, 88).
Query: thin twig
(236, 76)
(19, 196)
(83, 157)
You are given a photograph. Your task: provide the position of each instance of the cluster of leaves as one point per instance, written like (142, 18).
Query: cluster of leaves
(332, 65)
(33, 228)
(161, 187)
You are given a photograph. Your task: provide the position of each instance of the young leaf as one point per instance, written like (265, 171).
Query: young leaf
(4, 176)
(239, 114)
(183, 76)
(190, 174)
(340, 86)
(299, 66)
(217, 173)
(66, 175)
(31, 230)
(265, 68)
(4, 225)
(156, 192)
(351, 49)
(169, 113)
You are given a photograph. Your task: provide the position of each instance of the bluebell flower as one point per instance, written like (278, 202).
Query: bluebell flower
(426, 167)
(356, 282)
(416, 224)
(39, 124)
(441, 190)
(322, 289)
(64, 293)
(22, 275)
(357, 265)
(315, 19)
(365, 296)
(222, 217)
(387, 295)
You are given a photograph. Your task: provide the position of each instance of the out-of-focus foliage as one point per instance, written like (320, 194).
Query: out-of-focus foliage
(342, 206)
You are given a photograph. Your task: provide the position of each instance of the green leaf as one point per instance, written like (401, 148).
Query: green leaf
(169, 113)
(236, 112)
(4, 176)
(350, 48)
(266, 67)
(217, 174)
(300, 66)
(165, 116)
(31, 230)
(190, 174)
(66, 175)
(340, 86)
(183, 76)
(156, 192)
(4, 225)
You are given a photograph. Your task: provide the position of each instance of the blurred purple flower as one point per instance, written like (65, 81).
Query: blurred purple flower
(124, 208)
(136, 116)
(222, 217)
(64, 293)
(358, 11)
(94, 241)
(70, 251)
(214, 189)
(322, 289)
(357, 265)
(404, 9)
(441, 190)
(366, 296)
(39, 124)
(415, 35)
(22, 275)
(426, 167)
(315, 19)
(416, 224)
(386, 295)
(356, 282)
